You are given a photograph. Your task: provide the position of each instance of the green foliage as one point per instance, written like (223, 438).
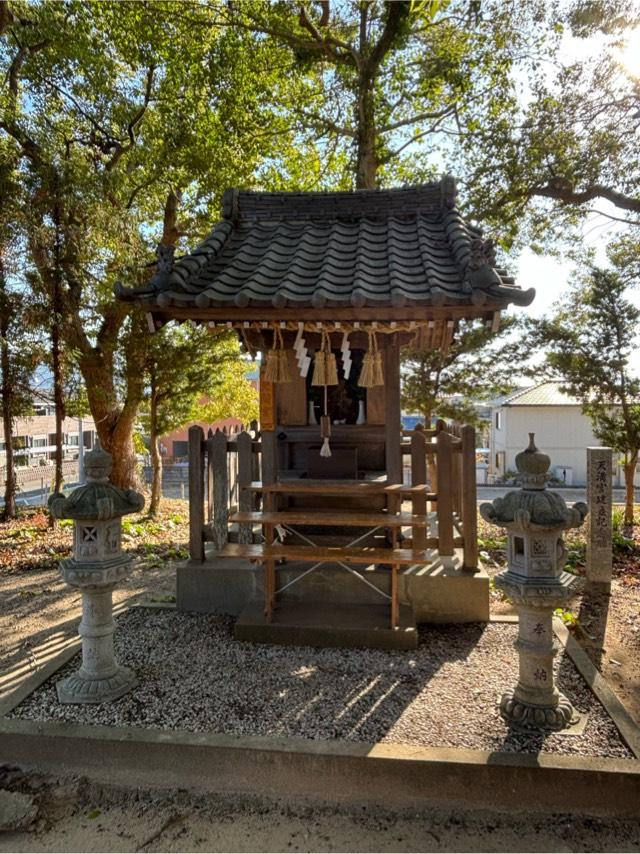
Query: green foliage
(124, 128)
(392, 83)
(589, 342)
(568, 617)
(194, 373)
(568, 146)
(492, 542)
(576, 557)
(477, 367)
(622, 544)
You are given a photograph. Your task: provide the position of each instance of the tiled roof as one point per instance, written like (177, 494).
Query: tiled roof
(543, 394)
(364, 248)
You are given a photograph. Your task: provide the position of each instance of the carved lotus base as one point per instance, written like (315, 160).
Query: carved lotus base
(76, 689)
(523, 715)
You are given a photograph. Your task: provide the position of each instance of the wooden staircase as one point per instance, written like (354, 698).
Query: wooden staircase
(272, 553)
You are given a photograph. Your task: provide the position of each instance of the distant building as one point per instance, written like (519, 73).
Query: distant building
(175, 445)
(561, 429)
(34, 437)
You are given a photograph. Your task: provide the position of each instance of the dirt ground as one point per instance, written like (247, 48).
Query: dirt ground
(77, 816)
(38, 616)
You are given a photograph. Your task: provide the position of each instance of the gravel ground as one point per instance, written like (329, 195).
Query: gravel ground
(442, 694)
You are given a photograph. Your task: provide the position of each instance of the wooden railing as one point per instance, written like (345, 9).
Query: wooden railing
(445, 459)
(221, 464)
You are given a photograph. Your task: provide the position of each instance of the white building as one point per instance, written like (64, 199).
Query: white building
(562, 431)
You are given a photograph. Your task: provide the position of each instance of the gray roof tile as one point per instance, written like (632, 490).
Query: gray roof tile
(370, 247)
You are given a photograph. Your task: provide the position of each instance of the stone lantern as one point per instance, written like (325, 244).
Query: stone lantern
(535, 581)
(97, 565)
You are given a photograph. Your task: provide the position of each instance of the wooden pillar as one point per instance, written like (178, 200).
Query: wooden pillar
(217, 448)
(444, 454)
(244, 447)
(268, 438)
(419, 476)
(196, 493)
(469, 498)
(392, 414)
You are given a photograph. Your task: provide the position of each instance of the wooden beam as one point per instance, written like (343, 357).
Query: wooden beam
(364, 315)
(336, 518)
(244, 449)
(328, 554)
(307, 486)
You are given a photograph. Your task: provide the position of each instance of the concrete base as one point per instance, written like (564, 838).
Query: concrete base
(440, 592)
(302, 624)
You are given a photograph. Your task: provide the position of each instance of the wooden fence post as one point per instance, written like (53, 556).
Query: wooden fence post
(218, 455)
(419, 476)
(456, 480)
(209, 510)
(469, 498)
(444, 508)
(244, 444)
(196, 493)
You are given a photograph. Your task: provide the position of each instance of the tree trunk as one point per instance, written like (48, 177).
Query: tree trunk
(114, 424)
(58, 396)
(366, 152)
(9, 511)
(629, 477)
(156, 457)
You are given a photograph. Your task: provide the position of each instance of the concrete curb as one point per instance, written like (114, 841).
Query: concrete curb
(340, 771)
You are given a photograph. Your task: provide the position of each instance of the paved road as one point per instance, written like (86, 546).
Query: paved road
(570, 494)
(34, 498)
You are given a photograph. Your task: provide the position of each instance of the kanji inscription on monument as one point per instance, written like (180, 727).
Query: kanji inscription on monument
(599, 482)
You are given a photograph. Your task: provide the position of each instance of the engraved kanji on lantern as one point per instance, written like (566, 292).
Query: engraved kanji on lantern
(96, 567)
(536, 582)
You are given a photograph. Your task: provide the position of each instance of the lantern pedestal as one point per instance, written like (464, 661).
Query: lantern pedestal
(535, 701)
(100, 679)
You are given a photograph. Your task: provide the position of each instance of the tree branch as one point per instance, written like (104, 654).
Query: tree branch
(419, 117)
(396, 12)
(563, 191)
(134, 122)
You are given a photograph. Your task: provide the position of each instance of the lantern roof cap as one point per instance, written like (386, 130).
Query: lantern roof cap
(533, 505)
(98, 499)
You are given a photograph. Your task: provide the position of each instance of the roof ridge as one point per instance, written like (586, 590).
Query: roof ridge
(434, 197)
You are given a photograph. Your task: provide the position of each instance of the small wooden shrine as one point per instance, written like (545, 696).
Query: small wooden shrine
(328, 287)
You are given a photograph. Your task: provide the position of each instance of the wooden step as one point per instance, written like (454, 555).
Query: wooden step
(311, 517)
(328, 554)
(305, 486)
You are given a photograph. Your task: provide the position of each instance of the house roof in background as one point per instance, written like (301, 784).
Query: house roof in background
(542, 394)
(375, 248)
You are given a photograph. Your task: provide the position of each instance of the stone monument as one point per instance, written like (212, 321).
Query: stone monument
(535, 519)
(96, 567)
(600, 527)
